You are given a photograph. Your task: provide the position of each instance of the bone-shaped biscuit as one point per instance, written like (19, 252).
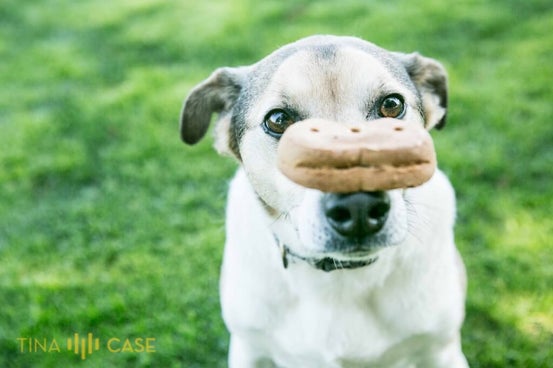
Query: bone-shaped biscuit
(379, 155)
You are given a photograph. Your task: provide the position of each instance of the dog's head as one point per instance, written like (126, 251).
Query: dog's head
(341, 79)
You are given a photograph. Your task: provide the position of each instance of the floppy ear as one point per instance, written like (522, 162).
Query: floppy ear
(218, 93)
(430, 78)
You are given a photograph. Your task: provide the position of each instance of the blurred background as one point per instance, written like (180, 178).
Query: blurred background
(110, 225)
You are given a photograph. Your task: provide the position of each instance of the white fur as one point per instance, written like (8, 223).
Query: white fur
(407, 304)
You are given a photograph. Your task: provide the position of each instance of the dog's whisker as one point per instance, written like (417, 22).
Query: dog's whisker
(416, 221)
(413, 211)
(434, 207)
(411, 230)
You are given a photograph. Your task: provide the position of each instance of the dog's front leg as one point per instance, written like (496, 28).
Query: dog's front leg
(243, 355)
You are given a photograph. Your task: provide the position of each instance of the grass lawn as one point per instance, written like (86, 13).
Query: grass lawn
(109, 225)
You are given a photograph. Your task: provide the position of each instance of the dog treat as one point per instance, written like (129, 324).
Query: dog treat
(379, 155)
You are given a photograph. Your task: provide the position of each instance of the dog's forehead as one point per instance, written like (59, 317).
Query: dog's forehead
(325, 73)
(324, 50)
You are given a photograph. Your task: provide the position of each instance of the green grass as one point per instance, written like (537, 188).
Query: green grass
(109, 225)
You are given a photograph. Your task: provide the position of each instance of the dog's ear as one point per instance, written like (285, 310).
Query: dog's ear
(430, 78)
(217, 94)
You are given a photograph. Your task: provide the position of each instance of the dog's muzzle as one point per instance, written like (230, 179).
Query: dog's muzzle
(353, 217)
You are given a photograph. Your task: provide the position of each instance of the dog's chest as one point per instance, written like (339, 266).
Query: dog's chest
(336, 334)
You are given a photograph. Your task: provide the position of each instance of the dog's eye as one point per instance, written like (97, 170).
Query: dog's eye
(276, 122)
(392, 106)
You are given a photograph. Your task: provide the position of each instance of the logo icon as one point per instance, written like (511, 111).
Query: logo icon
(83, 346)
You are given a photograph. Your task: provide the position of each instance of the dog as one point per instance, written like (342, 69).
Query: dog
(326, 280)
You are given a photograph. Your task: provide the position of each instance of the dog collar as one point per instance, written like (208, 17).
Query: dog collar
(326, 264)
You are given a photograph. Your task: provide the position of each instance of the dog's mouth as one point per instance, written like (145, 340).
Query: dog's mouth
(326, 264)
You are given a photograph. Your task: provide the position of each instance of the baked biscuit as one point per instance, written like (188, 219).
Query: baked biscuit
(380, 155)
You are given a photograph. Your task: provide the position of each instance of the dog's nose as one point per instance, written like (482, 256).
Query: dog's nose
(356, 215)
